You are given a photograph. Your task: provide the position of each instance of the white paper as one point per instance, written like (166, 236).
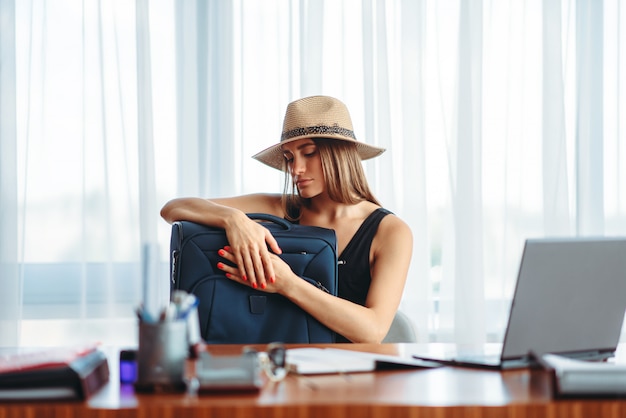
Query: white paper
(311, 360)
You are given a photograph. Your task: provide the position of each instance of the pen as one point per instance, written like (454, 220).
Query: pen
(189, 306)
(143, 315)
(168, 313)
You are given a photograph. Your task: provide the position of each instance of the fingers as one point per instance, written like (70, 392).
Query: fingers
(272, 243)
(250, 270)
(230, 272)
(251, 245)
(247, 270)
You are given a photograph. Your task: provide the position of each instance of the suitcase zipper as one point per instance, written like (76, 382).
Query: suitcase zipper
(175, 255)
(321, 286)
(315, 283)
(176, 251)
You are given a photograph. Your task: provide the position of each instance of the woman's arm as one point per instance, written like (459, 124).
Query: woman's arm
(249, 240)
(217, 212)
(390, 258)
(390, 254)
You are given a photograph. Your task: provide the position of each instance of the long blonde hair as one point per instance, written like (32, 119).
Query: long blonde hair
(343, 176)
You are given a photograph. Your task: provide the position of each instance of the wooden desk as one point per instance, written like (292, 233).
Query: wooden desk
(443, 392)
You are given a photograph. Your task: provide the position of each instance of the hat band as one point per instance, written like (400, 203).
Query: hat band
(318, 130)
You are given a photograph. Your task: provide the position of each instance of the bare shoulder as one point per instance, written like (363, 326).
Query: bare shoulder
(391, 251)
(393, 232)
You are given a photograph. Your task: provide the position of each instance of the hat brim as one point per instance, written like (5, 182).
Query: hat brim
(273, 156)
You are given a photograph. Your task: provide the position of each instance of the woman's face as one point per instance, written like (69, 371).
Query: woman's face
(305, 167)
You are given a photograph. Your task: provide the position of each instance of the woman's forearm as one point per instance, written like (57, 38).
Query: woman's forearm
(357, 323)
(199, 210)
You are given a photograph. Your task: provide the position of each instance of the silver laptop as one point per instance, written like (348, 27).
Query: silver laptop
(570, 299)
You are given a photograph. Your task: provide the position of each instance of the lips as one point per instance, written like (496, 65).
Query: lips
(303, 182)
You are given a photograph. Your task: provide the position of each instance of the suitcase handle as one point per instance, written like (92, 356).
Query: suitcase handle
(285, 224)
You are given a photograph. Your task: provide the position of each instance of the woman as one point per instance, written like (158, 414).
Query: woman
(325, 186)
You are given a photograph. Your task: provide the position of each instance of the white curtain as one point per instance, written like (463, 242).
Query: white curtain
(502, 121)
(79, 199)
(10, 297)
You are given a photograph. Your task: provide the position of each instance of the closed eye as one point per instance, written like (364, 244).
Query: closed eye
(309, 150)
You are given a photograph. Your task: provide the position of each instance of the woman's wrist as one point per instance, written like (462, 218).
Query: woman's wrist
(233, 218)
(290, 286)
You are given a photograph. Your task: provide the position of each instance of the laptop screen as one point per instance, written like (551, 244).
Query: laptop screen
(570, 297)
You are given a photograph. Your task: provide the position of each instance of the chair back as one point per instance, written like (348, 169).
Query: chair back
(401, 330)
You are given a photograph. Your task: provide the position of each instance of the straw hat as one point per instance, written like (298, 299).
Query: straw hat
(315, 117)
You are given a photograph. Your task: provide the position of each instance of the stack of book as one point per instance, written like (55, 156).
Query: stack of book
(580, 378)
(51, 374)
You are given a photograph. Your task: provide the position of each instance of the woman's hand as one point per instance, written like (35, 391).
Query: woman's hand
(277, 284)
(251, 244)
(248, 250)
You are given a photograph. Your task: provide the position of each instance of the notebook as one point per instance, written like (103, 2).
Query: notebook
(316, 360)
(569, 299)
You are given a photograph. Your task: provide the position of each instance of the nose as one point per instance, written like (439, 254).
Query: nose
(298, 166)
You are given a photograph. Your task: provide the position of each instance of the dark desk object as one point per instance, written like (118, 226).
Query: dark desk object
(52, 374)
(444, 392)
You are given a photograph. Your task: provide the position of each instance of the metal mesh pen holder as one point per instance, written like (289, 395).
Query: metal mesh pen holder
(163, 349)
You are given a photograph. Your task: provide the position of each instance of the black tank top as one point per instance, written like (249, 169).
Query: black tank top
(354, 262)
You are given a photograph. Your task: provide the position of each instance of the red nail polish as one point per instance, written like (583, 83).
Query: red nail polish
(254, 285)
(228, 275)
(272, 280)
(221, 253)
(227, 248)
(245, 279)
(263, 286)
(220, 266)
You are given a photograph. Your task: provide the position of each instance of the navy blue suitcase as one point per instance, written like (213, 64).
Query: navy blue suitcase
(232, 313)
